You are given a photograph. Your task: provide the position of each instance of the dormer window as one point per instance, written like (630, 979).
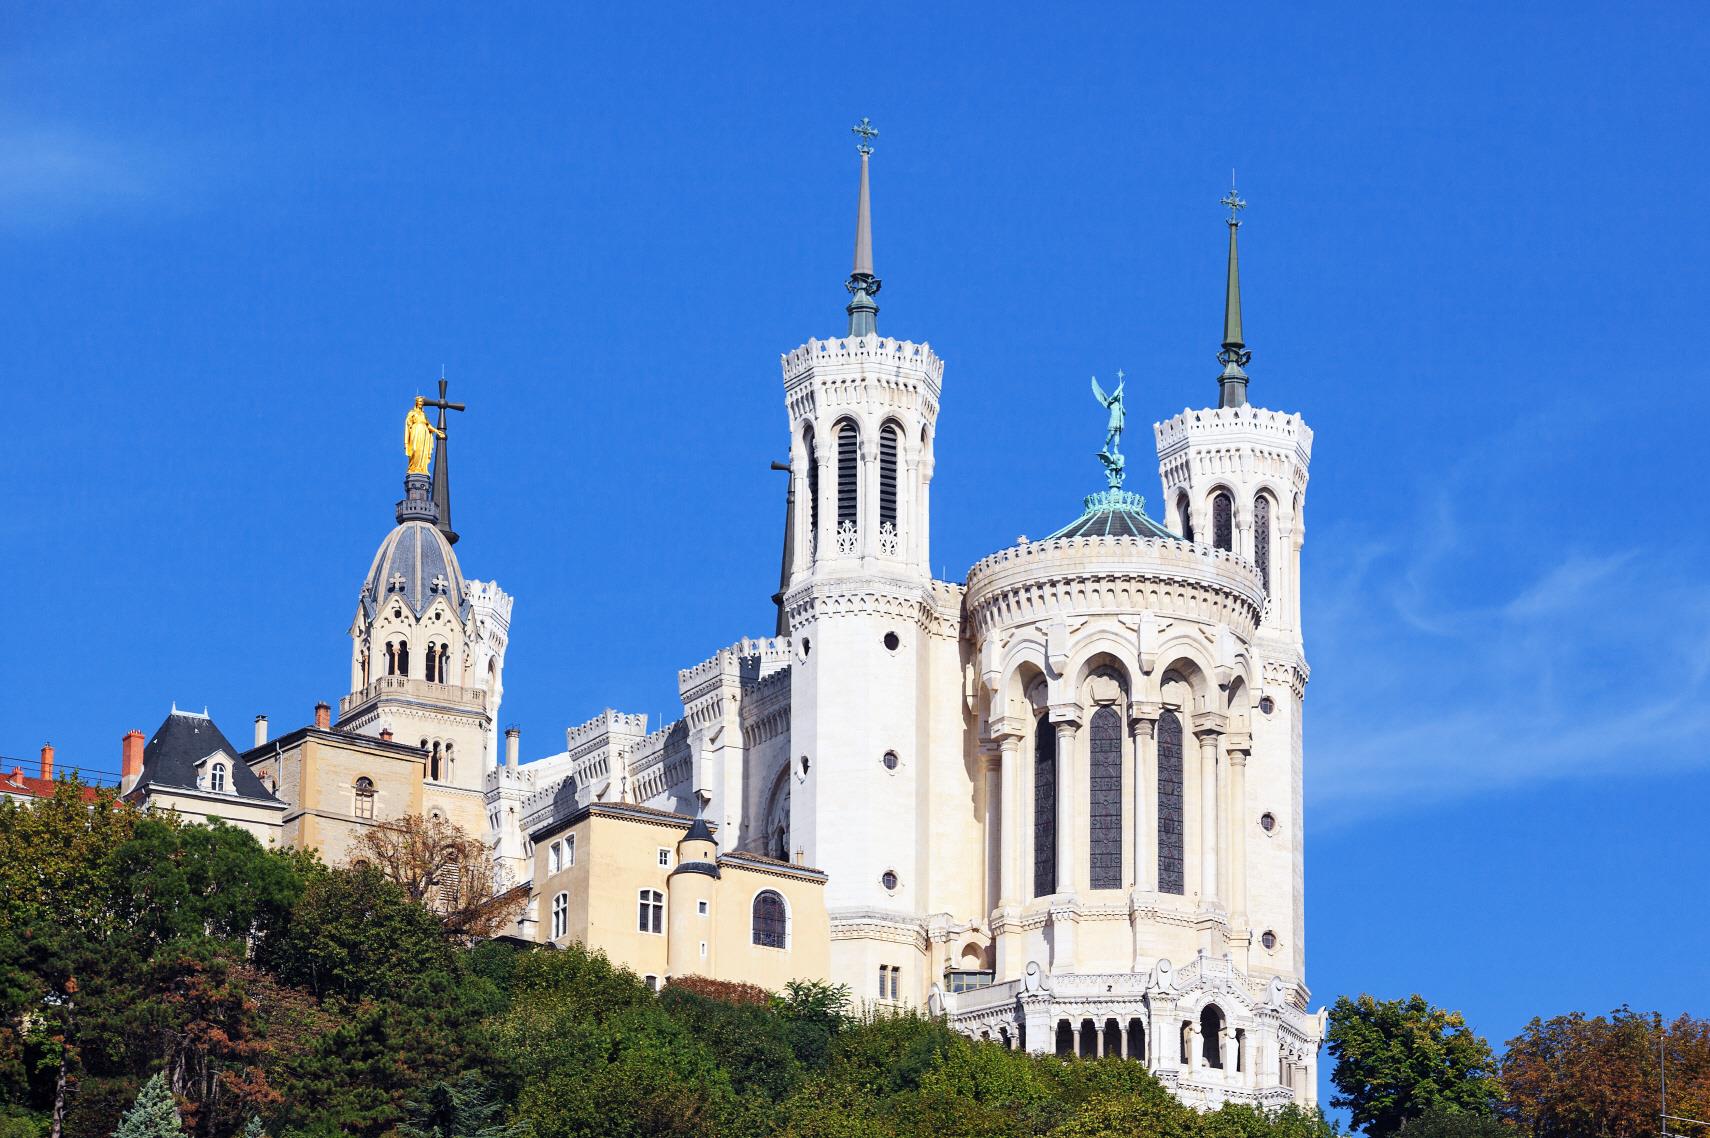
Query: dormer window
(217, 778)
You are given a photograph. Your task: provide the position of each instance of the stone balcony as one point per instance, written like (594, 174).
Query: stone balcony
(415, 690)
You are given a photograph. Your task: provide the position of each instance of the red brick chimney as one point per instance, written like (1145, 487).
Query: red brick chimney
(130, 760)
(385, 734)
(323, 716)
(47, 760)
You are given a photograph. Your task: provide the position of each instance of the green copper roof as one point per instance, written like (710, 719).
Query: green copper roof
(1114, 513)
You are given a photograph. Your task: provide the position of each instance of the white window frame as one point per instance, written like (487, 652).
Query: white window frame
(570, 851)
(664, 858)
(703, 908)
(654, 899)
(555, 857)
(560, 916)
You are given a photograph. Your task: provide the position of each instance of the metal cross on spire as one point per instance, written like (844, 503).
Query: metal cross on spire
(867, 132)
(1234, 202)
(442, 461)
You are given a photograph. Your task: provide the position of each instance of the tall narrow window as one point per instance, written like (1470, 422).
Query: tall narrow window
(848, 487)
(650, 911)
(430, 663)
(403, 658)
(433, 762)
(1105, 781)
(1223, 521)
(769, 920)
(1044, 808)
(888, 440)
(560, 915)
(217, 778)
(1186, 516)
(444, 660)
(1170, 869)
(813, 494)
(449, 766)
(391, 658)
(365, 797)
(1262, 539)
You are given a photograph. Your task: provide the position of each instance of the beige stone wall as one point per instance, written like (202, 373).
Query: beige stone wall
(261, 821)
(617, 856)
(317, 772)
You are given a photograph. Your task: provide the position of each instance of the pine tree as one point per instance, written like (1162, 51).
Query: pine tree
(154, 1115)
(254, 1129)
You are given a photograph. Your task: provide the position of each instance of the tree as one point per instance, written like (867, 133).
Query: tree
(1396, 1059)
(1440, 1123)
(1575, 1075)
(155, 1114)
(439, 864)
(464, 1107)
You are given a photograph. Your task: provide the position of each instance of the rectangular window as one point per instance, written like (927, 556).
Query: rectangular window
(570, 850)
(702, 908)
(703, 950)
(651, 911)
(896, 982)
(884, 980)
(664, 856)
(555, 858)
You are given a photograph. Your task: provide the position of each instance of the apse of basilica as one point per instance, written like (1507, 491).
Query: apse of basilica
(1057, 801)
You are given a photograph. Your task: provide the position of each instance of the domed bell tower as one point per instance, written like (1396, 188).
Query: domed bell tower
(863, 409)
(428, 645)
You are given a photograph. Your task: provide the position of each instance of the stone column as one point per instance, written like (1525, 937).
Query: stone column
(1068, 849)
(1010, 888)
(905, 504)
(1207, 734)
(826, 539)
(867, 510)
(997, 834)
(802, 538)
(1238, 748)
(1143, 722)
(922, 516)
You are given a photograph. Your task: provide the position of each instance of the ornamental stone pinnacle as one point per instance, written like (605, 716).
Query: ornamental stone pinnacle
(863, 286)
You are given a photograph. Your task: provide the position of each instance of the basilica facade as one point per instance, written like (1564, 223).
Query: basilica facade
(1057, 802)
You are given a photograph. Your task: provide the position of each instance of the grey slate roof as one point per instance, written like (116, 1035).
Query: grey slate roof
(699, 832)
(170, 758)
(1114, 513)
(414, 563)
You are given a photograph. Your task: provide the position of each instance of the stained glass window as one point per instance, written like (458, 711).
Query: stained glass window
(1223, 521)
(1105, 781)
(1171, 876)
(1044, 808)
(1262, 539)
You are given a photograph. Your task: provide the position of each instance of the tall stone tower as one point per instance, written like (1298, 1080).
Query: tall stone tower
(859, 606)
(1234, 477)
(428, 654)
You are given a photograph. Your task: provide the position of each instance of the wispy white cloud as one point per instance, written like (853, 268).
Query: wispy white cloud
(1474, 650)
(53, 175)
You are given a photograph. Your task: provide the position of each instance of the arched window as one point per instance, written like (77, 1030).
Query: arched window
(770, 920)
(391, 658)
(1044, 808)
(1137, 1040)
(1262, 539)
(403, 658)
(433, 762)
(1105, 781)
(889, 439)
(1111, 1045)
(365, 797)
(1171, 875)
(444, 663)
(650, 910)
(848, 487)
(1183, 509)
(560, 915)
(217, 778)
(1223, 521)
(1211, 1036)
(450, 765)
(1065, 1039)
(430, 664)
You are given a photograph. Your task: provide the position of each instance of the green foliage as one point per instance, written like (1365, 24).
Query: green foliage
(21, 1122)
(464, 1107)
(1441, 1123)
(254, 1129)
(155, 1114)
(1397, 1059)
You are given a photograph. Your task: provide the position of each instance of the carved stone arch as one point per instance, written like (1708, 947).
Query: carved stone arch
(1240, 699)
(1103, 648)
(775, 825)
(1191, 664)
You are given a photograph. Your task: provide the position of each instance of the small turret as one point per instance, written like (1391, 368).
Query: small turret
(693, 896)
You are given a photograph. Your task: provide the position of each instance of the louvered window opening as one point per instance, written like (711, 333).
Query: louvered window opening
(1223, 522)
(888, 475)
(1262, 539)
(1044, 809)
(1171, 877)
(769, 920)
(813, 494)
(1105, 782)
(848, 474)
(1187, 519)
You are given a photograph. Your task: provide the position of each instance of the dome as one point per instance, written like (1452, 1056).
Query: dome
(414, 562)
(1114, 513)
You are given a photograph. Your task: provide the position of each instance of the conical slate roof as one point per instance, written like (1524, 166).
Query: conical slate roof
(415, 564)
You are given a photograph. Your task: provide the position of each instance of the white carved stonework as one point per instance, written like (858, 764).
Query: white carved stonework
(848, 539)
(887, 539)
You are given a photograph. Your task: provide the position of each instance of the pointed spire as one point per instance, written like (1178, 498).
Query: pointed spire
(1232, 384)
(863, 286)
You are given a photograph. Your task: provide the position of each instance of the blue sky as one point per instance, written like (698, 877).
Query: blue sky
(238, 238)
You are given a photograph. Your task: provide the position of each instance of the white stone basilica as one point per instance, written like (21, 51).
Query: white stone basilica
(1059, 801)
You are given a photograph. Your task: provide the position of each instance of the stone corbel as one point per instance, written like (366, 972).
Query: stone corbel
(1225, 667)
(1066, 712)
(1210, 723)
(1143, 716)
(1057, 646)
(1148, 641)
(1006, 727)
(1239, 744)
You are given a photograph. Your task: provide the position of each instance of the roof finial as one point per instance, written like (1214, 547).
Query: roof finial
(863, 286)
(1232, 384)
